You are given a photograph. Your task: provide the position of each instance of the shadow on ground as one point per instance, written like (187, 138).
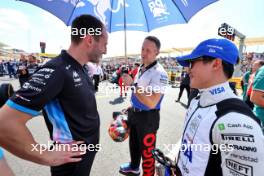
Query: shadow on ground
(118, 100)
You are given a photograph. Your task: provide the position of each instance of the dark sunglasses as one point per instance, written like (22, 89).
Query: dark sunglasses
(205, 59)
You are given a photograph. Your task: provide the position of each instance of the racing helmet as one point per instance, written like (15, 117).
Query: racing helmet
(118, 129)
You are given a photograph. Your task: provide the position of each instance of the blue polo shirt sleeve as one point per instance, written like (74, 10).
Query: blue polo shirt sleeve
(43, 86)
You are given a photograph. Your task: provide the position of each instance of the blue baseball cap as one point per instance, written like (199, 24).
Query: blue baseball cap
(217, 48)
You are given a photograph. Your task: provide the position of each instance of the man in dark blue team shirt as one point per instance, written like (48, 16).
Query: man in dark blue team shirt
(64, 92)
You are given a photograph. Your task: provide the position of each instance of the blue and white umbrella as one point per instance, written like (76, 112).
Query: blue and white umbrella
(123, 15)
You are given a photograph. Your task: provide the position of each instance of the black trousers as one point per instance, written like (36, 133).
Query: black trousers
(142, 139)
(182, 87)
(96, 79)
(81, 168)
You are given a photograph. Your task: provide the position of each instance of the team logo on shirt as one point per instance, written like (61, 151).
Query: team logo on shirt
(76, 79)
(38, 80)
(27, 85)
(163, 79)
(238, 125)
(217, 90)
(244, 158)
(221, 126)
(47, 70)
(245, 148)
(194, 124)
(238, 137)
(239, 169)
(68, 67)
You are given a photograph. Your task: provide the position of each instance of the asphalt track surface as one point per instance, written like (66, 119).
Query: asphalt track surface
(112, 154)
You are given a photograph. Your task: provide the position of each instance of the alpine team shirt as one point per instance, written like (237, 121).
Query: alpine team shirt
(32, 68)
(153, 79)
(65, 93)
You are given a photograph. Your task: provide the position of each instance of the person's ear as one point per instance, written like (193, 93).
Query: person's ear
(217, 63)
(157, 53)
(88, 40)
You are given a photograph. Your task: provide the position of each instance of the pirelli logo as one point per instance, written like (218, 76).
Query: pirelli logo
(238, 137)
(238, 169)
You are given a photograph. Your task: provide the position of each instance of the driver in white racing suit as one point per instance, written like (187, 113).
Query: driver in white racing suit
(221, 136)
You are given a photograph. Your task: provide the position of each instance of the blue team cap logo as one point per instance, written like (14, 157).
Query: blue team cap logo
(218, 48)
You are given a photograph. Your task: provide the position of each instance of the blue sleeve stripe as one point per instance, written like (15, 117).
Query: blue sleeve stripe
(18, 107)
(1, 153)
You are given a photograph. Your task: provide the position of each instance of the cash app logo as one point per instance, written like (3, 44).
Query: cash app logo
(221, 126)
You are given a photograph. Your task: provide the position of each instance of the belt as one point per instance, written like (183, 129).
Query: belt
(141, 110)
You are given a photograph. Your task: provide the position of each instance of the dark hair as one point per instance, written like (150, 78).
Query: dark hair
(155, 40)
(261, 62)
(137, 64)
(227, 67)
(87, 22)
